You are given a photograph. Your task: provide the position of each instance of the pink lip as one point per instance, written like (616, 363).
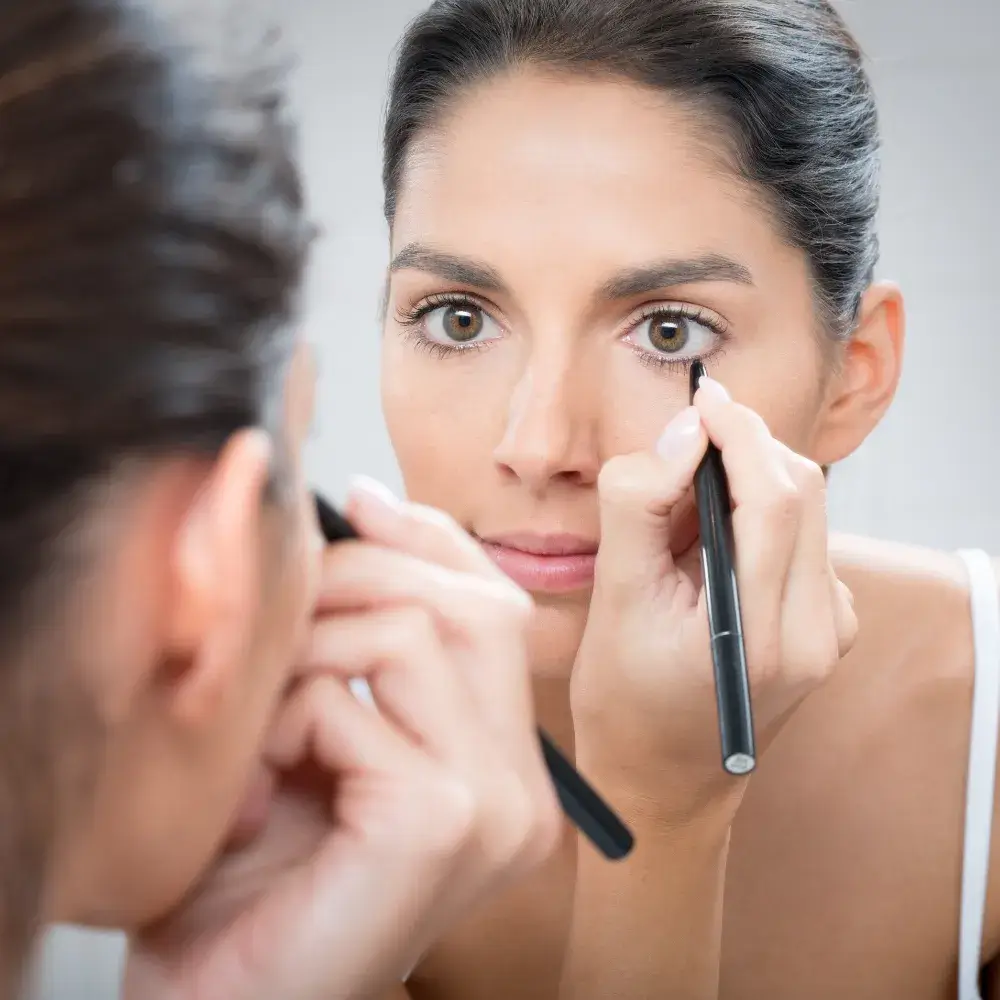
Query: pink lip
(552, 564)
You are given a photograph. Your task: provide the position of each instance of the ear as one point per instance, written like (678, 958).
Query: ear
(216, 565)
(866, 378)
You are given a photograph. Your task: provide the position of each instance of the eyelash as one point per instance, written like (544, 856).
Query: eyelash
(411, 321)
(715, 323)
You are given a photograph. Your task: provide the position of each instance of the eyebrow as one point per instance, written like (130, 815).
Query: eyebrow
(671, 273)
(447, 266)
(627, 284)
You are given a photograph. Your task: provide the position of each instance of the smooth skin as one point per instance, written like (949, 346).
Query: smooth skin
(526, 389)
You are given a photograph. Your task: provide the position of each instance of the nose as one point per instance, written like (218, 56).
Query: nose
(550, 436)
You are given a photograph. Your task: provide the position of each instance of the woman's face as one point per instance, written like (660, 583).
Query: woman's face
(563, 247)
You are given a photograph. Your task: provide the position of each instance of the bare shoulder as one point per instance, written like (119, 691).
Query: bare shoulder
(914, 608)
(912, 605)
(880, 563)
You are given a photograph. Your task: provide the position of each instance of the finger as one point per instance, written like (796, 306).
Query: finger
(765, 517)
(810, 639)
(400, 831)
(399, 653)
(637, 494)
(423, 532)
(755, 468)
(324, 719)
(811, 558)
(487, 616)
(358, 575)
(398, 783)
(431, 706)
(484, 618)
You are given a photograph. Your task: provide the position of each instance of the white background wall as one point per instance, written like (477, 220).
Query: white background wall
(931, 474)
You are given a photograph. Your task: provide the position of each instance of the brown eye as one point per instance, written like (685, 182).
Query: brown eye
(669, 334)
(462, 323)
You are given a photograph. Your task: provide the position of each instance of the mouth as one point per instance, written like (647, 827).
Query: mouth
(559, 563)
(544, 564)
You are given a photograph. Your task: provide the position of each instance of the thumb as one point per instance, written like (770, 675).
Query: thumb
(637, 494)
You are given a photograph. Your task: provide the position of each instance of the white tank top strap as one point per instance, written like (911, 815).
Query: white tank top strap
(980, 778)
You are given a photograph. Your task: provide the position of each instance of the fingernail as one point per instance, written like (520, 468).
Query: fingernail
(361, 690)
(714, 390)
(681, 434)
(364, 487)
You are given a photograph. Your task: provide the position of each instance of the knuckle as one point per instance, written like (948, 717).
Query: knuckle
(454, 807)
(408, 629)
(816, 658)
(546, 828)
(847, 632)
(530, 822)
(782, 504)
(402, 827)
(823, 661)
(515, 806)
(807, 476)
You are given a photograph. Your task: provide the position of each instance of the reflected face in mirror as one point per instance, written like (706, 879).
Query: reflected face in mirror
(562, 249)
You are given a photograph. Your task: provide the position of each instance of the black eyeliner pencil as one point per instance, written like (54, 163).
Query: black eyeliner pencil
(729, 658)
(584, 807)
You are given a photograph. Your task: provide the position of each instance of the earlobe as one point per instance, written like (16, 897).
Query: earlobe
(216, 569)
(867, 375)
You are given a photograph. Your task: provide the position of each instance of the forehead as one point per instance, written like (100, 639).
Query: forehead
(545, 167)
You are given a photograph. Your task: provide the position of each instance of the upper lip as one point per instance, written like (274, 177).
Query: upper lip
(544, 545)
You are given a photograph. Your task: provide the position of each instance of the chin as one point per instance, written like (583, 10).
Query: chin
(555, 636)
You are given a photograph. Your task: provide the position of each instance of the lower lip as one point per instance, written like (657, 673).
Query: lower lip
(544, 574)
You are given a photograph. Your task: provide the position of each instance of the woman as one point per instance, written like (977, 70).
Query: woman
(183, 757)
(583, 197)
(159, 569)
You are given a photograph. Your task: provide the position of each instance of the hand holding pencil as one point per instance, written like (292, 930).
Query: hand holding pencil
(692, 616)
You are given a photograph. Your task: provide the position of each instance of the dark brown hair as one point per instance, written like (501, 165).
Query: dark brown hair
(152, 242)
(783, 81)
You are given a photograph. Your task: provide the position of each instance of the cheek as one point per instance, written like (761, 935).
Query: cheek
(791, 412)
(781, 378)
(445, 419)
